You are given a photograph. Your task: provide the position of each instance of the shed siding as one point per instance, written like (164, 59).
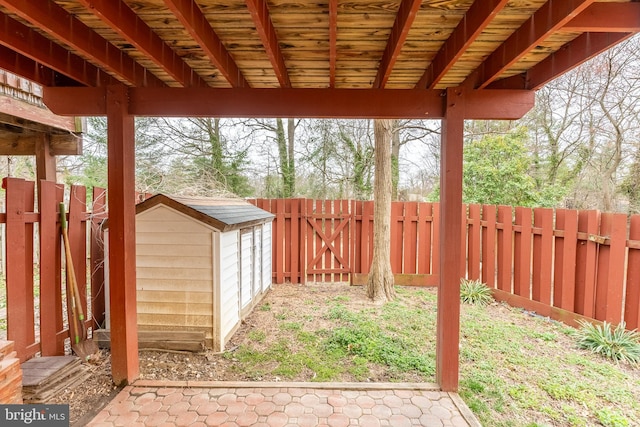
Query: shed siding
(257, 259)
(174, 271)
(246, 266)
(229, 282)
(266, 256)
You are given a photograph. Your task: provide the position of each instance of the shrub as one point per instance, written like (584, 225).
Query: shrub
(617, 344)
(475, 292)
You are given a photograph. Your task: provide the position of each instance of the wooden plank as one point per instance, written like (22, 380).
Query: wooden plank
(367, 229)
(505, 246)
(17, 319)
(474, 232)
(165, 340)
(328, 224)
(49, 240)
(489, 245)
(29, 302)
(430, 280)
(397, 230)
(410, 237)
(98, 213)
(522, 253)
(435, 262)
(542, 256)
(632, 297)
(347, 232)
(425, 220)
(78, 241)
(278, 237)
(611, 266)
(587, 253)
(565, 259)
(288, 250)
(38, 115)
(295, 240)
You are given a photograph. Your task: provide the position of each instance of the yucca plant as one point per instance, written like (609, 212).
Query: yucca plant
(617, 344)
(475, 292)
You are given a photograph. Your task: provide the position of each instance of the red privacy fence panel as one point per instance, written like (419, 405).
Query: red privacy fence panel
(563, 263)
(35, 292)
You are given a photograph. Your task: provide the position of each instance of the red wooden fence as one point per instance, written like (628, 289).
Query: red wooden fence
(24, 221)
(561, 263)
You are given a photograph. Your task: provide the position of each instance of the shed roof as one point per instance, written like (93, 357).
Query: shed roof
(222, 214)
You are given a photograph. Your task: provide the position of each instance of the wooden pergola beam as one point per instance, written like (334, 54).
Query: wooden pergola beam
(404, 19)
(20, 65)
(54, 20)
(301, 103)
(552, 16)
(479, 15)
(18, 144)
(20, 38)
(262, 20)
(607, 18)
(573, 54)
(119, 16)
(189, 14)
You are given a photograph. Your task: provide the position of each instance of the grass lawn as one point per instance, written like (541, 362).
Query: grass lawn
(517, 369)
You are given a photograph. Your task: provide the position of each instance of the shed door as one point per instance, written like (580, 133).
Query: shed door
(246, 266)
(257, 260)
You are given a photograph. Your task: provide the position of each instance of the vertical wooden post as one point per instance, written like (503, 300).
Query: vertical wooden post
(632, 301)
(97, 257)
(448, 323)
(45, 161)
(122, 245)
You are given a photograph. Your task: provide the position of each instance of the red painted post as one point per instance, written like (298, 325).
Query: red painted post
(425, 219)
(50, 306)
(474, 242)
(489, 245)
(632, 300)
(522, 253)
(611, 264)
(587, 255)
(448, 318)
(397, 226)
(288, 235)
(29, 302)
(410, 238)
(542, 255)
(505, 248)
(122, 244)
(98, 214)
(18, 323)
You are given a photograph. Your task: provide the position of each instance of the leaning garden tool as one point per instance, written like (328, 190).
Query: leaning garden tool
(80, 345)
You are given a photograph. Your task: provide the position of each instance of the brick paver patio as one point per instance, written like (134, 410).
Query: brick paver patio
(188, 403)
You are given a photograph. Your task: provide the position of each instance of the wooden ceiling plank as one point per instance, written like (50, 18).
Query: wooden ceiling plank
(194, 21)
(38, 48)
(19, 64)
(607, 18)
(266, 30)
(477, 18)
(333, 41)
(119, 16)
(66, 28)
(552, 16)
(300, 103)
(570, 56)
(404, 20)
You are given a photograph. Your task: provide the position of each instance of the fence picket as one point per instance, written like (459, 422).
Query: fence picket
(98, 214)
(522, 253)
(565, 261)
(611, 263)
(542, 255)
(474, 232)
(78, 240)
(489, 245)
(588, 223)
(397, 230)
(505, 248)
(425, 221)
(410, 244)
(632, 300)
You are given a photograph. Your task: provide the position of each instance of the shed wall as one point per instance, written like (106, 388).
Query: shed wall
(229, 283)
(266, 256)
(174, 259)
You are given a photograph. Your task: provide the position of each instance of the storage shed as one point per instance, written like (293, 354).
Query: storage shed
(201, 264)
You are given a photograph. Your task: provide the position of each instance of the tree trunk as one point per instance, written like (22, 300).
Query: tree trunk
(395, 159)
(380, 283)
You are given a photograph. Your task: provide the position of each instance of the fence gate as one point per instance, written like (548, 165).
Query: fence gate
(328, 233)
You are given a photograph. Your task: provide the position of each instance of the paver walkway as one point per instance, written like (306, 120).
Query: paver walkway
(187, 403)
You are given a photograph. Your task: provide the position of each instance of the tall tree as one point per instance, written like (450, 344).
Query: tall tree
(380, 283)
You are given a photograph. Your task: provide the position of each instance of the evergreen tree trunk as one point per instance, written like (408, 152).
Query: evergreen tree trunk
(380, 283)
(285, 153)
(395, 158)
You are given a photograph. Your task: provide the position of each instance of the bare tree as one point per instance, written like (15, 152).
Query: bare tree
(380, 284)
